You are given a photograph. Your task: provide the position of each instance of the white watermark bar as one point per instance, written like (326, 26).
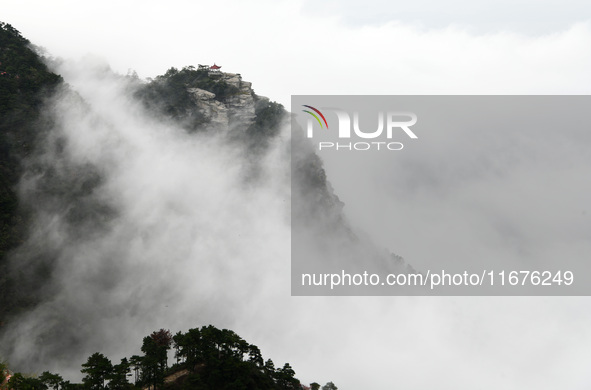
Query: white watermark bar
(440, 195)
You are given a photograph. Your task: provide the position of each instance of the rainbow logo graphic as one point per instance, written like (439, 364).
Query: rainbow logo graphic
(315, 116)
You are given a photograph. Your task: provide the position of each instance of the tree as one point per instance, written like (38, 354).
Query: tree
(97, 369)
(151, 372)
(189, 346)
(254, 355)
(51, 380)
(242, 348)
(329, 386)
(3, 372)
(269, 366)
(154, 363)
(163, 340)
(218, 361)
(22, 96)
(210, 345)
(136, 362)
(67, 385)
(178, 341)
(19, 382)
(118, 378)
(314, 386)
(286, 378)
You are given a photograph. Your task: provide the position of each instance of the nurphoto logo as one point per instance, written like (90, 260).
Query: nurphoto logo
(393, 122)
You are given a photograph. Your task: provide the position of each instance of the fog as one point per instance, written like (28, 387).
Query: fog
(186, 237)
(190, 241)
(300, 47)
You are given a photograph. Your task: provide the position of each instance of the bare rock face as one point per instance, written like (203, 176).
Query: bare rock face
(214, 112)
(242, 104)
(235, 112)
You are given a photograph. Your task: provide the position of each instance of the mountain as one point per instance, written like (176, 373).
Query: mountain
(130, 204)
(205, 358)
(195, 99)
(25, 82)
(204, 98)
(52, 202)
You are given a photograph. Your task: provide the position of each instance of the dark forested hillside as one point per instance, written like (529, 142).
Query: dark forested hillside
(24, 83)
(205, 358)
(173, 95)
(40, 183)
(25, 86)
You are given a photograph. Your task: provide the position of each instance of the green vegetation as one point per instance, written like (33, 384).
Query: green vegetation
(168, 94)
(3, 371)
(25, 81)
(206, 358)
(25, 85)
(267, 124)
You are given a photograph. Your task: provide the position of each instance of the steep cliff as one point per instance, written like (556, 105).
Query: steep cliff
(201, 99)
(25, 83)
(144, 199)
(236, 111)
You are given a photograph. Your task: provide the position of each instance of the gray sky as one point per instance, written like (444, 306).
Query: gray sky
(330, 47)
(490, 182)
(310, 47)
(484, 16)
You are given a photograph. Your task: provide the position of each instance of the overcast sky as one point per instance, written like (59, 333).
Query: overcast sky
(354, 47)
(330, 47)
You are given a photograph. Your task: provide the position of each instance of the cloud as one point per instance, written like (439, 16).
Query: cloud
(190, 239)
(526, 16)
(179, 230)
(285, 48)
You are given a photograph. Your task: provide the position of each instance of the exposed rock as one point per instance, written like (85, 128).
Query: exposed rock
(214, 112)
(236, 112)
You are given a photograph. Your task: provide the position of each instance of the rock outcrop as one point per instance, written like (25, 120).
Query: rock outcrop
(214, 112)
(235, 111)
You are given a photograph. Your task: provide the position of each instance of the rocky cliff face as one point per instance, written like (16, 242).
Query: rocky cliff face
(235, 111)
(88, 138)
(200, 99)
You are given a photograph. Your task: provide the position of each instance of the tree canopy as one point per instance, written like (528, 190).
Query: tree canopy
(24, 83)
(206, 358)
